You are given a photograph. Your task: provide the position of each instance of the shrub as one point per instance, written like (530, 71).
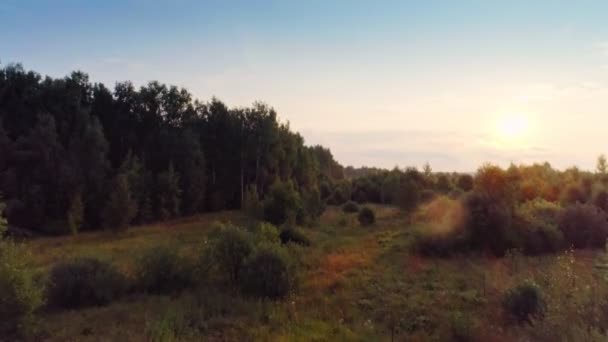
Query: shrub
(20, 294)
(488, 223)
(536, 225)
(313, 206)
(366, 216)
(230, 247)
(294, 236)
(350, 207)
(523, 302)
(439, 244)
(266, 274)
(465, 182)
(161, 270)
(85, 282)
(282, 203)
(266, 233)
(584, 225)
(252, 206)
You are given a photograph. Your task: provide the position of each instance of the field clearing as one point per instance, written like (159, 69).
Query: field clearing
(358, 284)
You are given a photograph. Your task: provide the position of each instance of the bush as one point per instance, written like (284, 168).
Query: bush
(282, 203)
(266, 274)
(230, 247)
(161, 270)
(366, 216)
(313, 206)
(584, 225)
(488, 223)
(536, 225)
(350, 207)
(439, 244)
(85, 282)
(294, 236)
(20, 294)
(266, 233)
(523, 302)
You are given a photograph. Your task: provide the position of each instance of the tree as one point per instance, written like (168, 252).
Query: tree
(169, 194)
(465, 182)
(601, 166)
(75, 213)
(282, 204)
(408, 195)
(121, 206)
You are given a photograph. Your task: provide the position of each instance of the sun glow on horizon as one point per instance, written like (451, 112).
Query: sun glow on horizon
(513, 129)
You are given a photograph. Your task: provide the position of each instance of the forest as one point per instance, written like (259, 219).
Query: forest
(145, 214)
(78, 156)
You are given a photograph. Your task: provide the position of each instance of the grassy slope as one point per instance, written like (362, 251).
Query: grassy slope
(357, 284)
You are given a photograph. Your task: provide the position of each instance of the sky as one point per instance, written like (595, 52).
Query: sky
(381, 83)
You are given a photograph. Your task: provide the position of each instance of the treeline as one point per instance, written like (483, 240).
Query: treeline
(532, 208)
(77, 155)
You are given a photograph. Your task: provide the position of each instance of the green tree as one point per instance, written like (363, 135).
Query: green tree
(121, 206)
(169, 194)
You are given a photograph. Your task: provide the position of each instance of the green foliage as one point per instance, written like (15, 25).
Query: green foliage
(584, 225)
(350, 207)
(161, 270)
(121, 207)
(266, 233)
(20, 294)
(230, 247)
(465, 182)
(266, 273)
(535, 223)
(488, 225)
(408, 195)
(282, 203)
(252, 206)
(75, 213)
(85, 282)
(523, 302)
(293, 235)
(313, 207)
(342, 192)
(168, 194)
(366, 216)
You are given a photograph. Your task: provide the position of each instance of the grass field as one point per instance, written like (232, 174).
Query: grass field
(357, 284)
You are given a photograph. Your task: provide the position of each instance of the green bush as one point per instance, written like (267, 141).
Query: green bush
(535, 223)
(266, 274)
(366, 216)
(161, 270)
(20, 294)
(264, 232)
(84, 282)
(489, 222)
(292, 235)
(523, 302)
(282, 203)
(229, 248)
(350, 207)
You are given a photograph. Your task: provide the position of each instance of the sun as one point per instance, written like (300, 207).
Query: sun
(513, 128)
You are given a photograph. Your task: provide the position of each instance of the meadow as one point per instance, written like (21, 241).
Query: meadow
(356, 283)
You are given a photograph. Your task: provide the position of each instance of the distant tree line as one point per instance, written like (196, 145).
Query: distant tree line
(77, 155)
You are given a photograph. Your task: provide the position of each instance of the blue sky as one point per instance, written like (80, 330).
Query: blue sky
(380, 82)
